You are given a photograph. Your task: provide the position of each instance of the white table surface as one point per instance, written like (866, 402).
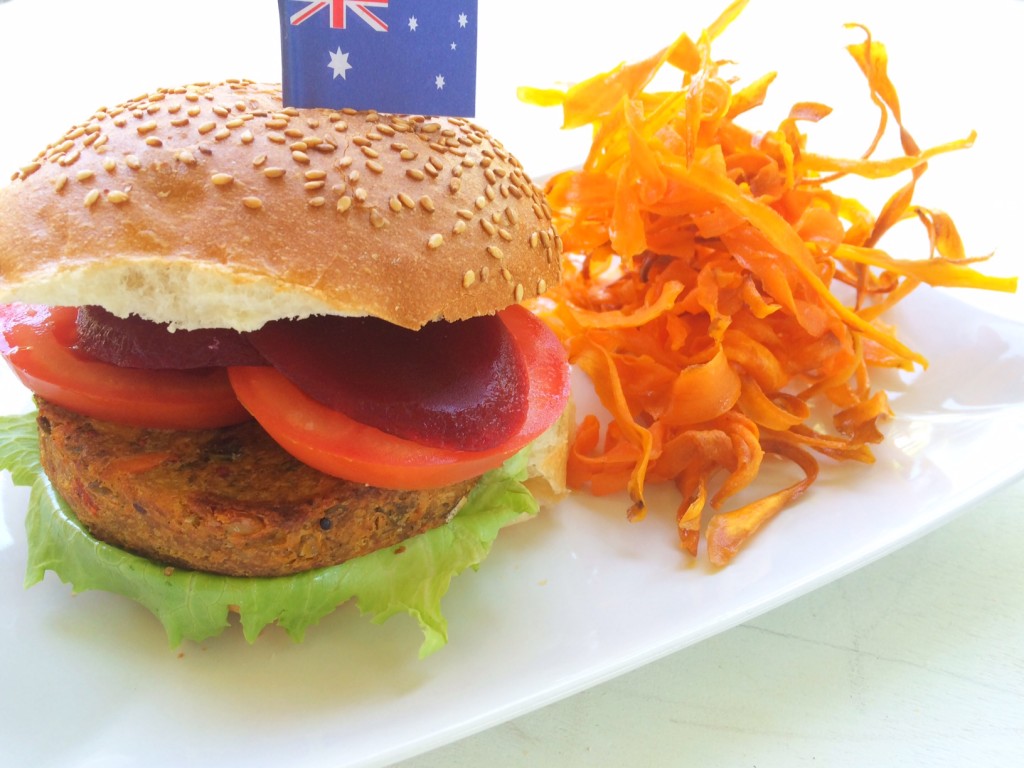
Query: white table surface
(917, 659)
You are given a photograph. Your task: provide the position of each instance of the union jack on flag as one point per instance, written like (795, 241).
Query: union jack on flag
(404, 56)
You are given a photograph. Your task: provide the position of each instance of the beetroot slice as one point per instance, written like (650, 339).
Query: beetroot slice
(132, 342)
(458, 385)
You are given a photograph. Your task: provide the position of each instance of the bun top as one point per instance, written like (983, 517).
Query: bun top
(213, 205)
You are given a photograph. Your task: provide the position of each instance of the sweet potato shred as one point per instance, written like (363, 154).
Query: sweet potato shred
(704, 265)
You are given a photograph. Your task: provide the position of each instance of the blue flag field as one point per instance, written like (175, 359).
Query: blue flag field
(404, 56)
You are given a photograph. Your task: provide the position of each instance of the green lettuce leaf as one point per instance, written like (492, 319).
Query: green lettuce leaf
(408, 579)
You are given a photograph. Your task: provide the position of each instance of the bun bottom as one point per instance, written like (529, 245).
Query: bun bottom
(231, 501)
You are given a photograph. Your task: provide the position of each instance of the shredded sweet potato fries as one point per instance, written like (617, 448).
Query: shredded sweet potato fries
(704, 268)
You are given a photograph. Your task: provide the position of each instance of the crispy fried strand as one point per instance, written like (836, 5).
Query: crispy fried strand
(704, 273)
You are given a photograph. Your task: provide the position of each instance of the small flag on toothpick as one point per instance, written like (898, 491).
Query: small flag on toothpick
(404, 56)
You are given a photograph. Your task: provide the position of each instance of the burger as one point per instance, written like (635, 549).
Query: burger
(278, 355)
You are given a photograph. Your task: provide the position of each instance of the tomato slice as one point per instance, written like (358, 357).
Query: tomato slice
(338, 445)
(36, 340)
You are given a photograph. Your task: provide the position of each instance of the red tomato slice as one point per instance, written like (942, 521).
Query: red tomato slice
(337, 445)
(36, 341)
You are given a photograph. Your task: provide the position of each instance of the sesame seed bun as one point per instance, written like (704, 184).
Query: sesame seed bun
(213, 205)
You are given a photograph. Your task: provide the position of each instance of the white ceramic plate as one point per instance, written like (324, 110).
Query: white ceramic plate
(577, 596)
(565, 602)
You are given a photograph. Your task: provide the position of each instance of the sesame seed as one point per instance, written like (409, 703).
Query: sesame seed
(459, 227)
(377, 220)
(408, 154)
(153, 141)
(110, 165)
(505, 235)
(316, 202)
(91, 198)
(146, 127)
(542, 285)
(341, 126)
(512, 216)
(534, 239)
(312, 186)
(316, 175)
(277, 123)
(259, 160)
(481, 202)
(436, 241)
(294, 133)
(344, 203)
(415, 174)
(485, 273)
(298, 146)
(132, 162)
(186, 157)
(374, 166)
(253, 203)
(519, 292)
(468, 279)
(222, 134)
(84, 175)
(488, 227)
(273, 172)
(221, 111)
(395, 204)
(300, 157)
(506, 274)
(222, 179)
(235, 123)
(117, 197)
(370, 152)
(276, 138)
(361, 194)
(454, 186)
(464, 213)
(427, 204)
(207, 127)
(495, 251)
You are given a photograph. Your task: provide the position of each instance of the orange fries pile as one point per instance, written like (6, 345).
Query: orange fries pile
(704, 264)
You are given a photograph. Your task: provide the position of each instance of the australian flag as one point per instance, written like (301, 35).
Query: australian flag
(404, 56)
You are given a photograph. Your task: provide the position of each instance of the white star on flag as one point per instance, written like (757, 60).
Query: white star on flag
(439, 82)
(413, 24)
(339, 63)
(463, 20)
